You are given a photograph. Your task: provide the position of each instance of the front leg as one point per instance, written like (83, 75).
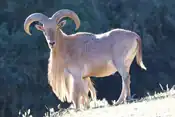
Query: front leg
(77, 94)
(69, 85)
(78, 88)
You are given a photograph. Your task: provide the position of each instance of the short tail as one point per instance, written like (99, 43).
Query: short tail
(139, 54)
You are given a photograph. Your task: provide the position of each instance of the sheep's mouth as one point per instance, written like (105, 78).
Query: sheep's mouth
(51, 44)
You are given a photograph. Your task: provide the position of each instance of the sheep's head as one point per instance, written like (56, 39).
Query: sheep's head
(51, 25)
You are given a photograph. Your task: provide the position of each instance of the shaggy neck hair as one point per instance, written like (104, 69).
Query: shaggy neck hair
(56, 67)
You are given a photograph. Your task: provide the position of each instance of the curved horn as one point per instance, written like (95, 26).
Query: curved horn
(32, 18)
(66, 13)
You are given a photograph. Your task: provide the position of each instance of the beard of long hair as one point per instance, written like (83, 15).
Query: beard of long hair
(56, 76)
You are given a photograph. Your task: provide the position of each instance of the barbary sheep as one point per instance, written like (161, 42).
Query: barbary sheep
(81, 55)
(60, 82)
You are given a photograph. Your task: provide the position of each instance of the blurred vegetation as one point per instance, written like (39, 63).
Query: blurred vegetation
(24, 58)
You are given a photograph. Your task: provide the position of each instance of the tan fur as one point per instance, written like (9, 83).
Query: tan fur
(56, 74)
(83, 54)
(61, 84)
(64, 85)
(139, 54)
(56, 77)
(92, 89)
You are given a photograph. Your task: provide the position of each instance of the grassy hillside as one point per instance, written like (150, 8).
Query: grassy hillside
(24, 58)
(158, 105)
(157, 108)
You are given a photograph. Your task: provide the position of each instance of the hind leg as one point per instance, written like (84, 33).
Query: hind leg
(127, 64)
(128, 86)
(125, 81)
(85, 97)
(89, 88)
(129, 97)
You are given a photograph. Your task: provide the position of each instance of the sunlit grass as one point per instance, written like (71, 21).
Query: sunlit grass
(158, 105)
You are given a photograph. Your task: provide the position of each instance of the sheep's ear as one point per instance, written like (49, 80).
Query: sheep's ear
(39, 27)
(62, 23)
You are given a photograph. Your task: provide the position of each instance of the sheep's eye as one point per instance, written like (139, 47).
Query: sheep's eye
(58, 25)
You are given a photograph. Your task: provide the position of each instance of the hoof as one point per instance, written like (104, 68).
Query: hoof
(131, 98)
(87, 107)
(71, 106)
(118, 103)
(78, 110)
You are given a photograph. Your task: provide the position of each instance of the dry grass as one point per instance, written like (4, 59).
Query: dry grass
(158, 108)
(158, 105)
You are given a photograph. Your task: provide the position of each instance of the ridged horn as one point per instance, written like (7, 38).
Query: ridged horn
(66, 13)
(32, 18)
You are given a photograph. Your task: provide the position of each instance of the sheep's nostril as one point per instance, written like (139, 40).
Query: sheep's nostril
(52, 43)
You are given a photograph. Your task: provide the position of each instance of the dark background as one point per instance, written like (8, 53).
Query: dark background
(24, 58)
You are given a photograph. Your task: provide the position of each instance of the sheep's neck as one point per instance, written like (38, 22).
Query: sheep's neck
(56, 60)
(56, 67)
(59, 51)
(59, 48)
